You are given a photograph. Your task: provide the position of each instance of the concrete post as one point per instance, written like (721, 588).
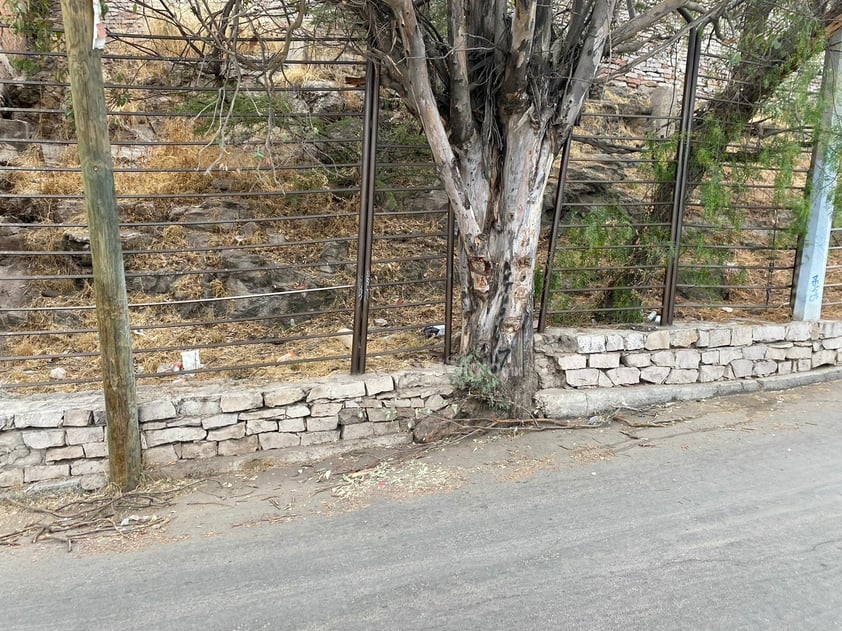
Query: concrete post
(809, 284)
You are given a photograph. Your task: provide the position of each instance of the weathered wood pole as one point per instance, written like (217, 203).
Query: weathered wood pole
(812, 266)
(112, 309)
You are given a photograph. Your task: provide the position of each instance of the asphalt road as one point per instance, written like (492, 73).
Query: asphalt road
(712, 528)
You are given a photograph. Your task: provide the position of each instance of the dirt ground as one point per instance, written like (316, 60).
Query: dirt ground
(165, 510)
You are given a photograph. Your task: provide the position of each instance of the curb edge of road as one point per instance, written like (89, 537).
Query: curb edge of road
(561, 403)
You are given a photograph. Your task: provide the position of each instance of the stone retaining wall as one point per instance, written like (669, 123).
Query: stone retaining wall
(62, 437)
(684, 354)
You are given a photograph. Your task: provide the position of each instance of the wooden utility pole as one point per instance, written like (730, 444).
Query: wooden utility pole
(112, 309)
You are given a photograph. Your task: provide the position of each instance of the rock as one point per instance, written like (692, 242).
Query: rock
(58, 374)
(15, 293)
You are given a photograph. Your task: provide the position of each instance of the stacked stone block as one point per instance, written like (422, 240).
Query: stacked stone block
(685, 354)
(57, 441)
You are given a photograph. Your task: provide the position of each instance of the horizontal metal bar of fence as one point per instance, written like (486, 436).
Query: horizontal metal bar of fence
(228, 194)
(595, 289)
(608, 268)
(598, 310)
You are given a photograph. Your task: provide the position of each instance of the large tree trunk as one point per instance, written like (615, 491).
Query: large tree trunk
(498, 276)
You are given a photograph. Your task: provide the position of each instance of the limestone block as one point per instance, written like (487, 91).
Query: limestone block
(285, 395)
(220, 420)
(99, 418)
(377, 384)
(241, 401)
(325, 409)
(756, 352)
(614, 342)
(155, 411)
(719, 337)
(42, 439)
(241, 446)
(798, 331)
(259, 415)
(200, 405)
(571, 362)
(804, 365)
(603, 381)
(683, 338)
(687, 359)
(36, 473)
(776, 353)
(319, 438)
(358, 430)
(51, 419)
(624, 376)
(765, 367)
(81, 435)
(292, 425)
(710, 357)
(708, 373)
(590, 343)
(742, 336)
(260, 426)
(197, 450)
(95, 450)
(297, 410)
(768, 333)
(784, 367)
(435, 402)
(654, 374)
(173, 435)
(821, 358)
(832, 343)
(77, 418)
(90, 467)
(679, 375)
(657, 340)
(337, 390)
(742, 368)
(634, 341)
(383, 415)
(7, 421)
(322, 423)
(227, 433)
(582, 378)
(637, 360)
(57, 454)
(727, 355)
(350, 416)
(604, 360)
(423, 383)
(163, 455)
(664, 358)
(831, 328)
(277, 441)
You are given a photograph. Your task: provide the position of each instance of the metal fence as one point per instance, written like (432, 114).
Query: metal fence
(291, 224)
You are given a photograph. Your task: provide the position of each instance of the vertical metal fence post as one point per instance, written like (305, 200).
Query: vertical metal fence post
(448, 284)
(559, 202)
(366, 222)
(682, 166)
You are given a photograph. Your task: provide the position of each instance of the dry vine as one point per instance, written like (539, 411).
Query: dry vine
(105, 513)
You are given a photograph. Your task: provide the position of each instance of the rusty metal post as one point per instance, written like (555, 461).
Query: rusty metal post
(559, 202)
(448, 284)
(366, 222)
(682, 167)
